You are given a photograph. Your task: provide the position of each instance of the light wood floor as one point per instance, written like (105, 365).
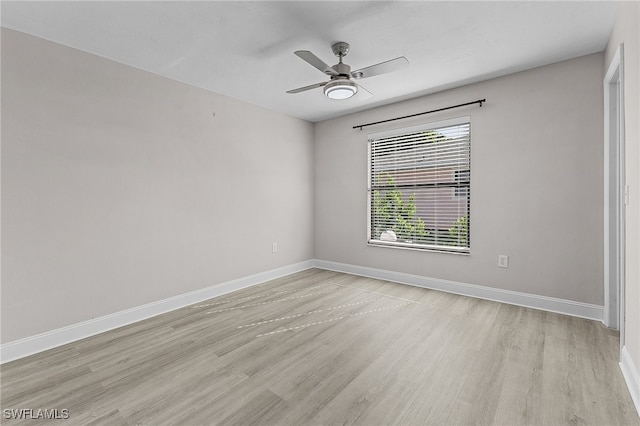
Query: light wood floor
(321, 347)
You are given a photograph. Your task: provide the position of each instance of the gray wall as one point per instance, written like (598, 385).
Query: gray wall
(121, 188)
(536, 186)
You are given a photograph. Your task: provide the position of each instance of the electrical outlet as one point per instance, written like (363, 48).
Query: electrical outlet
(503, 261)
(274, 248)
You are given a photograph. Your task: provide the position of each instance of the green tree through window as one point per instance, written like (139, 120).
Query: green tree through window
(395, 214)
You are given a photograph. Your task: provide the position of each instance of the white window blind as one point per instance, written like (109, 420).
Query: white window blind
(420, 187)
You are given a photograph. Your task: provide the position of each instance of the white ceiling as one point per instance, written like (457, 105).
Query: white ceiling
(245, 49)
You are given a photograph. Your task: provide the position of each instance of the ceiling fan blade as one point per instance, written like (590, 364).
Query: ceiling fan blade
(318, 63)
(305, 88)
(363, 93)
(381, 68)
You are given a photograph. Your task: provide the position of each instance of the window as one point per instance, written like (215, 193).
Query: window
(462, 190)
(419, 187)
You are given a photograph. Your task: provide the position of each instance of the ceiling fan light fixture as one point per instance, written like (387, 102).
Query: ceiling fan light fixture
(340, 89)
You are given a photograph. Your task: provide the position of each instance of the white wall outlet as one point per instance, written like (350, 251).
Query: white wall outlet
(503, 261)
(274, 248)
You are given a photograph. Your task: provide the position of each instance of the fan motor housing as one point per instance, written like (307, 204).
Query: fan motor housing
(343, 69)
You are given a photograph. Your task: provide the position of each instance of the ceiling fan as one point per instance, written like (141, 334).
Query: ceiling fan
(341, 85)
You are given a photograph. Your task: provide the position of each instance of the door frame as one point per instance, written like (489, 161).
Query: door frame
(614, 195)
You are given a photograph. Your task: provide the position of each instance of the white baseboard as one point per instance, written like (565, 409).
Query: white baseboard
(631, 376)
(61, 336)
(562, 306)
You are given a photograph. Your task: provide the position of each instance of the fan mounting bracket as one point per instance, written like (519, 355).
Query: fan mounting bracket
(340, 49)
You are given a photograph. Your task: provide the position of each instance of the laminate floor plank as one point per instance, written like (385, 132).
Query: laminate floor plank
(326, 348)
(387, 369)
(520, 397)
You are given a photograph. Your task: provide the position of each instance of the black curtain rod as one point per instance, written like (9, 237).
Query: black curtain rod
(479, 101)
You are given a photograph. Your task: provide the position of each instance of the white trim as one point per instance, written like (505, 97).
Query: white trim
(369, 183)
(551, 304)
(631, 376)
(31, 345)
(614, 75)
(465, 251)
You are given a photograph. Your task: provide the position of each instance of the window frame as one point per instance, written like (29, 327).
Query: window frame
(413, 246)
